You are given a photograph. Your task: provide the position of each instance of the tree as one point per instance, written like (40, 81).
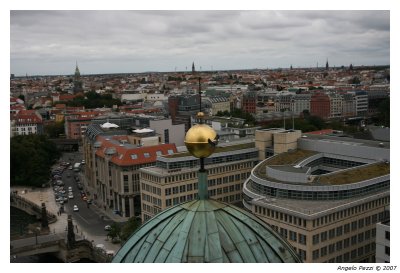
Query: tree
(115, 232)
(129, 228)
(31, 157)
(54, 130)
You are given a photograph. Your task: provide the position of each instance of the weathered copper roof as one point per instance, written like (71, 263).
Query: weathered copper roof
(205, 231)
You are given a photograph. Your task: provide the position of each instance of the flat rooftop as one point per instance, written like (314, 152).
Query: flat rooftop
(353, 175)
(312, 207)
(356, 175)
(354, 141)
(218, 149)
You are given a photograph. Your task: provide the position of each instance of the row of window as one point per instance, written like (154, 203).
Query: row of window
(283, 217)
(181, 189)
(151, 209)
(151, 199)
(354, 226)
(356, 210)
(181, 199)
(214, 160)
(230, 189)
(228, 179)
(350, 256)
(152, 189)
(317, 195)
(335, 162)
(291, 235)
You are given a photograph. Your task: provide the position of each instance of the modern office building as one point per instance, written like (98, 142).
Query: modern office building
(173, 179)
(323, 194)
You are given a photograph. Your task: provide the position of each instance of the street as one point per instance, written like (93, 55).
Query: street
(87, 217)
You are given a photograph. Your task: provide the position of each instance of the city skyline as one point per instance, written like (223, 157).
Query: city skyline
(167, 41)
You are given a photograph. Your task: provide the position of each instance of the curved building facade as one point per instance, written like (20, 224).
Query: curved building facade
(325, 197)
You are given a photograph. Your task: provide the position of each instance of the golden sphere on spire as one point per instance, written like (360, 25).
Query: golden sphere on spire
(201, 140)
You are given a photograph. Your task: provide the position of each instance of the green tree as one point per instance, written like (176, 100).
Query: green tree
(31, 158)
(129, 228)
(115, 232)
(54, 130)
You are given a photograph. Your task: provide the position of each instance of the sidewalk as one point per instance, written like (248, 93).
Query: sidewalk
(46, 195)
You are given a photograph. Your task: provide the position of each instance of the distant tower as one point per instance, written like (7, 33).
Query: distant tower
(327, 64)
(291, 67)
(193, 68)
(77, 80)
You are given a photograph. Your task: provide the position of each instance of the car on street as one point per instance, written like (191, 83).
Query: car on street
(70, 195)
(76, 208)
(107, 228)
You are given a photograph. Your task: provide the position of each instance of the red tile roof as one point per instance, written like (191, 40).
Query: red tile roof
(28, 116)
(126, 156)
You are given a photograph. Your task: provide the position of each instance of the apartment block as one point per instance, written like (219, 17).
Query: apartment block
(112, 166)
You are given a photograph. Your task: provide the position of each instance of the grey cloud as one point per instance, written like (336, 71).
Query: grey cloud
(166, 39)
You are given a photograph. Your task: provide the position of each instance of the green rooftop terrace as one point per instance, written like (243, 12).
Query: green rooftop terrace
(288, 158)
(291, 157)
(355, 175)
(218, 149)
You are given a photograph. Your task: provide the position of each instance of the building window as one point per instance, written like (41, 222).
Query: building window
(387, 235)
(315, 254)
(331, 248)
(353, 226)
(346, 242)
(346, 228)
(146, 155)
(303, 254)
(166, 136)
(387, 250)
(339, 245)
(302, 239)
(315, 239)
(339, 231)
(293, 236)
(324, 251)
(331, 233)
(324, 236)
(134, 156)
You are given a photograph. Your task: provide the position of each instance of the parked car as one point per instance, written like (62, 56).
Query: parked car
(76, 208)
(107, 228)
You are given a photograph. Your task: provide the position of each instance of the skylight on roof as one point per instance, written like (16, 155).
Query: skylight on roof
(134, 156)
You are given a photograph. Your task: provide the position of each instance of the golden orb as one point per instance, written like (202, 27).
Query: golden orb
(201, 140)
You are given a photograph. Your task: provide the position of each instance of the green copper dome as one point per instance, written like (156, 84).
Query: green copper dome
(205, 231)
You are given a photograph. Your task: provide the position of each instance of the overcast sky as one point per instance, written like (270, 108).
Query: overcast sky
(50, 42)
